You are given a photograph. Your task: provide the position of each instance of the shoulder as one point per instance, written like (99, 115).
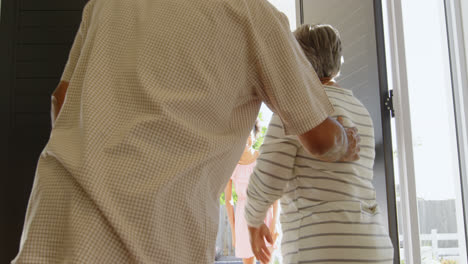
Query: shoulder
(88, 13)
(265, 16)
(343, 97)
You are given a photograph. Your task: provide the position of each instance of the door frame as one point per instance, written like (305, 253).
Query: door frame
(386, 116)
(408, 202)
(457, 56)
(459, 72)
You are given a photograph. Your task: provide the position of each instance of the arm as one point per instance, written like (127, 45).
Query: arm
(58, 97)
(230, 210)
(267, 184)
(330, 141)
(271, 175)
(275, 220)
(273, 171)
(296, 94)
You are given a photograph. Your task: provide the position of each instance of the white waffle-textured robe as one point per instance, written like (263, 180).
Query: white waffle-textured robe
(162, 97)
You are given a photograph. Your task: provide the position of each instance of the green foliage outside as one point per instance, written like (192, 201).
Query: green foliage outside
(256, 146)
(222, 199)
(260, 139)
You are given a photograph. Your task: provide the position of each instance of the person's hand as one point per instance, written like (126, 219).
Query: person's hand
(273, 233)
(257, 242)
(352, 153)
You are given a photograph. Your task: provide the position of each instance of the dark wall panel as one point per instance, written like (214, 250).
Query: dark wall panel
(40, 69)
(36, 122)
(34, 104)
(36, 38)
(46, 36)
(35, 87)
(42, 53)
(52, 5)
(49, 19)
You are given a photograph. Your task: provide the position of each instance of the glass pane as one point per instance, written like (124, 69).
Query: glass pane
(434, 134)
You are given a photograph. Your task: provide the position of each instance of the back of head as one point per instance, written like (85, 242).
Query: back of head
(322, 46)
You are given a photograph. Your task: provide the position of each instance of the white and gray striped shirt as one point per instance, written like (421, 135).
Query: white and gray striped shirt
(329, 210)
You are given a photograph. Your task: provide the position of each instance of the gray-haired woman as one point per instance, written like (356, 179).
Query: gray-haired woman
(329, 209)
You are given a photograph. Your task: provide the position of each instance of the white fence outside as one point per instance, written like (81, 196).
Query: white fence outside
(224, 245)
(434, 254)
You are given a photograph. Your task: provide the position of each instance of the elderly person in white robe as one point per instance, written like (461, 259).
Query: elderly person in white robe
(152, 114)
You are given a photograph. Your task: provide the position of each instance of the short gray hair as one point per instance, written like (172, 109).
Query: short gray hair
(321, 44)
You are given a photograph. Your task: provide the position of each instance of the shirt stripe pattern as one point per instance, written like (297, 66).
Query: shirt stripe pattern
(329, 212)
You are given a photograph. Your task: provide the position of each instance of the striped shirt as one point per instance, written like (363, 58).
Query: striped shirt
(329, 210)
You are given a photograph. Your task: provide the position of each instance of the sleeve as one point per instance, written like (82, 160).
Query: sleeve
(274, 169)
(75, 51)
(286, 81)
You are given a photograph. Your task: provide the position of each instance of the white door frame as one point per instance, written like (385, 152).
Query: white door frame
(459, 72)
(409, 203)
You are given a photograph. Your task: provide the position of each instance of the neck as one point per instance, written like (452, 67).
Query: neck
(327, 81)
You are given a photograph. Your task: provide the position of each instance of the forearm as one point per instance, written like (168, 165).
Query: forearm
(328, 141)
(275, 210)
(230, 214)
(264, 190)
(274, 169)
(275, 217)
(229, 205)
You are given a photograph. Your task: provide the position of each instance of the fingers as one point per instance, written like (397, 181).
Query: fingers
(352, 153)
(267, 254)
(261, 252)
(259, 248)
(352, 158)
(340, 120)
(266, 232)
(263, 255)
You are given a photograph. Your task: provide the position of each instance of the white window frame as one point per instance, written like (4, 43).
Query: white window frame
(457, 30)
(459, 71)
(458, 50)
(408, 199)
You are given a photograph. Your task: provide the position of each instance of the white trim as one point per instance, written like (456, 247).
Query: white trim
(403, 130)
(459, 83)
(464, 18)
(298, 13)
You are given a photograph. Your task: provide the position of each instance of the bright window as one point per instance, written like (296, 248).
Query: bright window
(434, 138)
